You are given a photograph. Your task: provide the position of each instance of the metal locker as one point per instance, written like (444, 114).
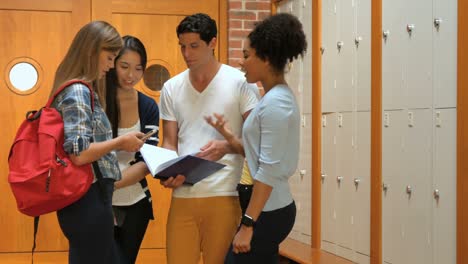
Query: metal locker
(301, 183)
(294, 79)
(445, 53)
(307, 63)
(362, 45)
(329, 56)
(418, 36)
(361, 182)
(294, 71)
(345, 56)
(417, 175)
(444, 190)
(393, 65)
(345, 185)
(392, 177)
(329, 188)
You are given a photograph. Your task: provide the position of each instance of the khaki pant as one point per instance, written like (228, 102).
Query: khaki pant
(201, 225)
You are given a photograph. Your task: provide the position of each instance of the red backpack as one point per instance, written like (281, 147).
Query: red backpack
(41, 175)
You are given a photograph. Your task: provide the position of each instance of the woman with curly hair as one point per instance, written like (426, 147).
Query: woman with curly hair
(270, 140)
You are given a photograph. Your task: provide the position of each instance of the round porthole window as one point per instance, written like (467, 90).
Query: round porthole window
(23, 75)
(155, 76)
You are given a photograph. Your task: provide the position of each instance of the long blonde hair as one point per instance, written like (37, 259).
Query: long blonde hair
(82, 59)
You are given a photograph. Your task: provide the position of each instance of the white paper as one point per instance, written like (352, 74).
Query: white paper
(156, 157)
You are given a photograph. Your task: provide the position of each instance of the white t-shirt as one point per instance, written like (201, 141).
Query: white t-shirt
(133, 193)
(228, 94)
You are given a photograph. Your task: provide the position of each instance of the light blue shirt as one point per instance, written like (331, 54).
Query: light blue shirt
(271, 143)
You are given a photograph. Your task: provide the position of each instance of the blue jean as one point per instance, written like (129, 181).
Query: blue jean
(88, 224)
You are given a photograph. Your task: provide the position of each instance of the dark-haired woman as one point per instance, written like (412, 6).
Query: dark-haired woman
(130, 111)
(270, 138)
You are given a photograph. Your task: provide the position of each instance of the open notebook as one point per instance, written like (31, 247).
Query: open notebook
(164, 163)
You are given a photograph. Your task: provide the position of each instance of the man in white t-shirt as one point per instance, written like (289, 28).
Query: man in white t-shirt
(203, 218)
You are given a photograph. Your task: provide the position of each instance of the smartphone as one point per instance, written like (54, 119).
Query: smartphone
(148, 135)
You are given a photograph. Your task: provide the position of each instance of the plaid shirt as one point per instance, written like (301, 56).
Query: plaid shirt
(82, 126)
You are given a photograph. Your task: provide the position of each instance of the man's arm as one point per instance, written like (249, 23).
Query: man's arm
(170, 141)
(170, 138)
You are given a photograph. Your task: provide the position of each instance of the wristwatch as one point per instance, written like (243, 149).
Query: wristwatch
(247, 220)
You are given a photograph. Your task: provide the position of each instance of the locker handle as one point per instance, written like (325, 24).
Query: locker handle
(339, 45)
(409, 189)
(410, 28)
(357, 40)
(322, 50)
(385, 34)
(339, 179)
(436, 194)
(385, 187)
(323, 176)
(437, 22)
(357, 181)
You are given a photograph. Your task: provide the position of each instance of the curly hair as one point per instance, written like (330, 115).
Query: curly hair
(279, 39)
(198, 23)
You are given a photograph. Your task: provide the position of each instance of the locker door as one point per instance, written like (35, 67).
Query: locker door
(300, 184)
(307, 62)
(329, 56)
(361, 181)
(393, 54)
(444, 198)
(417, 176)
(345, 184)
(345, 50)
(418, 34)
(445, 53)
(296, 71)
(329, 190)
(392, 194)
(363, 56)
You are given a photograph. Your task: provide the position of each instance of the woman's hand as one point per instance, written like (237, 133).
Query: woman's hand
(131, 142)
(241, 242)
(220, 124)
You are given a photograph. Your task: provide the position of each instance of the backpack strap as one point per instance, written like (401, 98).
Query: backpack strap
(36, 225)
(67, 84)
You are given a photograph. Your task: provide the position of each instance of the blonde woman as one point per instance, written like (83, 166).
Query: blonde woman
(88, 224)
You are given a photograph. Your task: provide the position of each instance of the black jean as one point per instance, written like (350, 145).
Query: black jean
(88, 224)
(270, 230)
(132, 231)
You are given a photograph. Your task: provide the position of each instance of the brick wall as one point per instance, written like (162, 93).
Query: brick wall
(242, 15)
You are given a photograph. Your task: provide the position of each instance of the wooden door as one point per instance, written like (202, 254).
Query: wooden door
(39, 33)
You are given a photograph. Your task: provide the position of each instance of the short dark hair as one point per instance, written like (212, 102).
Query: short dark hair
(279, 39)
(130, 43)
(198, 23)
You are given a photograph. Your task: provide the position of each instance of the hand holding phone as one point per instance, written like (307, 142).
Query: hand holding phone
(148, 135)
